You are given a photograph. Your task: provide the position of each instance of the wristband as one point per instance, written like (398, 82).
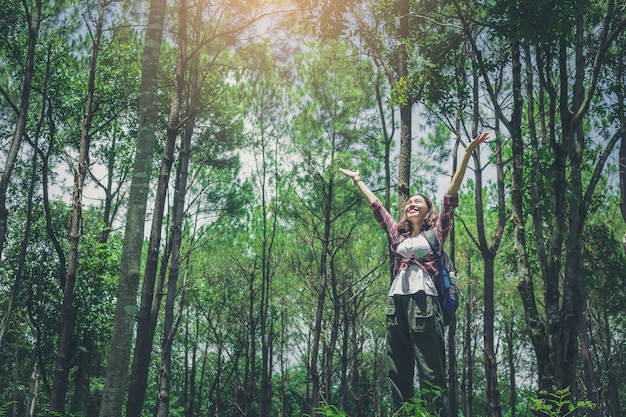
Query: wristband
(356, 180)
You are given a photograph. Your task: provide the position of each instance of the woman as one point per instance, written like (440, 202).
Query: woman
(415, 324)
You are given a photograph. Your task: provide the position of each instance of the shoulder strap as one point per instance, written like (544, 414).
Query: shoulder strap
(432, 241)
(442, 257)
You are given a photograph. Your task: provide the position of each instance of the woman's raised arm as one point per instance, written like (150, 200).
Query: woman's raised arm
(356, 178)
(457, 178)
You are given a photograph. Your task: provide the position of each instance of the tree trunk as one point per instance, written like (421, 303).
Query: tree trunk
(266, 325)
(191, 365)
(331, 342)
(588, 371)
(509, 327)
(492, 392)
(613, 397)
(15, 287)
(467, 379)
(22, 118)
(388, 137)
(65, 348)
(33, 392)
(145, 324)
(404, 169)
(119, 354)
(170, 329)
(178, 210)
(317, 331)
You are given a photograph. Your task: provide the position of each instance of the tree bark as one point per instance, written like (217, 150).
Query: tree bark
(317, 330)
(65, 348)
(406, 106)
(509, 327)
(588, 371)
(119, 353)
(146, 320)
(34, 21)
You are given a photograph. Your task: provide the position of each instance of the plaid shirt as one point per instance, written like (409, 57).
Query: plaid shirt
(442, 227)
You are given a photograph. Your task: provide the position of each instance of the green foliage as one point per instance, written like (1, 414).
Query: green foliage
(330, 411)
(414, 408)
(275, 120)
(559, 404)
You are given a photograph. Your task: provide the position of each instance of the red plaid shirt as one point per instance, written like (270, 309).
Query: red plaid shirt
(442, 228)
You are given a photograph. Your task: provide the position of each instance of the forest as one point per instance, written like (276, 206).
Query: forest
(176, 238)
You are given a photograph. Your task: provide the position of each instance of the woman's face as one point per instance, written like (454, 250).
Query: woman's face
(416, 208)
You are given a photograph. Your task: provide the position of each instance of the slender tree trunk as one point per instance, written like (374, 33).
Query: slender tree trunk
(33, 392)
(463, 397)
(388, 137)
(404, 169)
(613, 397)
(492, 391)
(65, 348)
(120, 348)
(112, 196)
(170, 329)
(467, 397)
(14, 385)
(588, 370)
(15, 288)
(17, 281)
(546, 117)
(317, 332)
(202, 377)
(250, 359)
(622, 181)
(281, 360)
(331, 343)
(488, 251)
(145, 325)
(175, 249)
(22, 117)
(347, 339)
(509, 326)
(269, 220)
(620, 70)
(191, 365)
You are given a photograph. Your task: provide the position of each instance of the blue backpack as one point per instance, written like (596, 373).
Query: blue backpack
(445, 281)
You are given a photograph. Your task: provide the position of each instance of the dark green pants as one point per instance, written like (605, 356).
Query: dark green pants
(415, 336)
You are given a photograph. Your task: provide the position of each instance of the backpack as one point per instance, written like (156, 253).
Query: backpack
(445, 280)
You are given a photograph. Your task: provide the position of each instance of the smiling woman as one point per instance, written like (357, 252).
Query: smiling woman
(415, 323)
(420, 214)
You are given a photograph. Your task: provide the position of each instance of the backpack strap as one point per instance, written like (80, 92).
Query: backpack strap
(441, 257)
(432, 241)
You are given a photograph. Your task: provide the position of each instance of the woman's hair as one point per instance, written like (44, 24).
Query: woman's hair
(404, 225)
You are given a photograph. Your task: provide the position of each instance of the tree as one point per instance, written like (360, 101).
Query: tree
(558, 127)
(333, 120)
(267, 109)
(64, 351)
(33, 21)
(119, 356)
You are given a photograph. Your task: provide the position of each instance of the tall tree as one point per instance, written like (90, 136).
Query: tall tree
(119, 355)
(21, 111)
(560, 124)
(64, 351)
(149, 305)
(406, 101)
(33, 14)
(336, 116)
(267, 108)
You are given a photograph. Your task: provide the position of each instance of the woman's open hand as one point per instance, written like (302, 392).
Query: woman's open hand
(353, 175)
(477, 141)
